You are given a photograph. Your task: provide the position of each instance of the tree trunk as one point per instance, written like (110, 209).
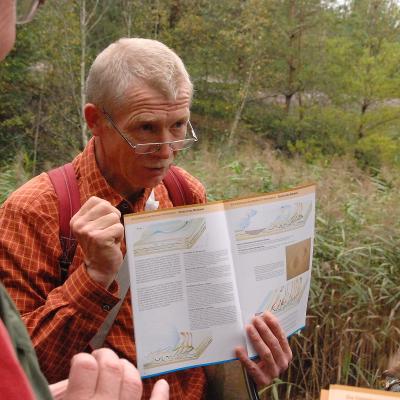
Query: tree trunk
(364, 107)
(37, 127)
(291, 60)
(83, 25)
(239, 111)
(157, 19)
(127, 14)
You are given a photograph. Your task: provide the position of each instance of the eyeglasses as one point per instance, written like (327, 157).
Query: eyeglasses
(26, 10)
(148, 148)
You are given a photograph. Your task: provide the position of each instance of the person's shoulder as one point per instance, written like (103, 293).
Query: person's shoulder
(36, 194)
(196, 187)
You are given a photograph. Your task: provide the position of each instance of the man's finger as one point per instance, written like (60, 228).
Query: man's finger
(131, 383)
(268, 346)
(259, 376)
(262, 338)
(103, 222)
(110, 376)
(160, 390)
(59, 389)
(82, 377)
(95, 207)
(277, 330)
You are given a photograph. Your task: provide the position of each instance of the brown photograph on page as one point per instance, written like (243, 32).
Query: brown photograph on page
(298, 258)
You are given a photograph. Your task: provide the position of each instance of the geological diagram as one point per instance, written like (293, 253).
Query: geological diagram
(188, 348)
(255, 225)
(285, 297)
(171, 235)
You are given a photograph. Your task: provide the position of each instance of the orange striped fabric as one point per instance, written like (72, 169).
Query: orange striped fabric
(62, 319)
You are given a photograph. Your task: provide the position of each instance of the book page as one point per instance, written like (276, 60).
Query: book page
(184, 296)
(324, 395)
(272, 245)
(339, 392)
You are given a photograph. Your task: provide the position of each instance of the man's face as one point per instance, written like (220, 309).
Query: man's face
(147, 116)
(7, 27)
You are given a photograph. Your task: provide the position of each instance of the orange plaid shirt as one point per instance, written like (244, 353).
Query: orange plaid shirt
(62, 319)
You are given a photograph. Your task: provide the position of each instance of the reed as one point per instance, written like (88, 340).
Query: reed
(353, 318)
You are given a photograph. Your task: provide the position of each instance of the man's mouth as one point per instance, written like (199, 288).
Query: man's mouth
(158, 168)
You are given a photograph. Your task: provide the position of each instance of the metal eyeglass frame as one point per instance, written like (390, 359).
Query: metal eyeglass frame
(30, 8)
(156, 145)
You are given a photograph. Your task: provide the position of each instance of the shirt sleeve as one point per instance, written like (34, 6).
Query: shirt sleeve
(61, 320)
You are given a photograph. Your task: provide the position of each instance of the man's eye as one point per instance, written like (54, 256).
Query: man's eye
(147, 127)
(179, 125)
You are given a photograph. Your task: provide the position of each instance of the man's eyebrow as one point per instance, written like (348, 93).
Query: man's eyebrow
(153, 118)
(143, 118)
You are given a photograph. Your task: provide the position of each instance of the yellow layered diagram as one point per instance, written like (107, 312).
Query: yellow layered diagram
(290, 217)
(171, 235)
(285, 297)
(187, 349)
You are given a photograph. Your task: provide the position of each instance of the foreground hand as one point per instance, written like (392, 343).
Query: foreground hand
(104, 376)
(272, 347)
(98, 230)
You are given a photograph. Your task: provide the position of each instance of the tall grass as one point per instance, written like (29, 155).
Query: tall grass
(353, 318)
(14, 175)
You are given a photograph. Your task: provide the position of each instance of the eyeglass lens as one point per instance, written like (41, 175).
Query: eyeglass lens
(178, 145)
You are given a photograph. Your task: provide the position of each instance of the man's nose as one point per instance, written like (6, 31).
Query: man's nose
(164, 151)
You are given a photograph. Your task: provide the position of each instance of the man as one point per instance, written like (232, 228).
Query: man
(96, 376)
(138, 110)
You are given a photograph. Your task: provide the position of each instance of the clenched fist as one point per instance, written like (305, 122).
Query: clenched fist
(102, 375)
(98, 230)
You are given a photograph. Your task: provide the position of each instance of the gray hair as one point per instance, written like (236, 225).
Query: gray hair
(135, 61)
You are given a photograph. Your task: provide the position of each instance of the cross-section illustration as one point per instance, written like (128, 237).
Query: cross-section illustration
(171, 235)
(285, 297)
(188, 348)
(290, 217)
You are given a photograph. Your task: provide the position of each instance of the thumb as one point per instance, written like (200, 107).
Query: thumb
(160, 390)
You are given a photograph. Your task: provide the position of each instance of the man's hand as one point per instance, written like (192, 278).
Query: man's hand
(98, 230)
(104, 376)
(272, 347)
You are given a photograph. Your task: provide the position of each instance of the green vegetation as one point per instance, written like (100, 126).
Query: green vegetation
(354, 308)
(287, 92)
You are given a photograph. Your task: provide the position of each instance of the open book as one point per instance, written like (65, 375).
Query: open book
(200, 273)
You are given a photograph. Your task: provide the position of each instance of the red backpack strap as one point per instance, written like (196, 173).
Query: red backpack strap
(178, 189)
(66, 187)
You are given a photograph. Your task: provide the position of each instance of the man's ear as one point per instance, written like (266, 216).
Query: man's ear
(94, 118)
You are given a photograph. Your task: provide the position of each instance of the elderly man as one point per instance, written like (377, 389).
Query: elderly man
(139, 95)
(97, 376)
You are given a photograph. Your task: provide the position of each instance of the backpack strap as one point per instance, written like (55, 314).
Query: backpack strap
(66, 187)
(178, 189)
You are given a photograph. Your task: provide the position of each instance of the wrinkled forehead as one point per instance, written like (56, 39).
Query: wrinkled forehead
(146, 97)
(141, 101)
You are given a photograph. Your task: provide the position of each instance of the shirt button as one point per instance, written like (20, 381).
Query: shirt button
(106, 307)
(124, 207)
